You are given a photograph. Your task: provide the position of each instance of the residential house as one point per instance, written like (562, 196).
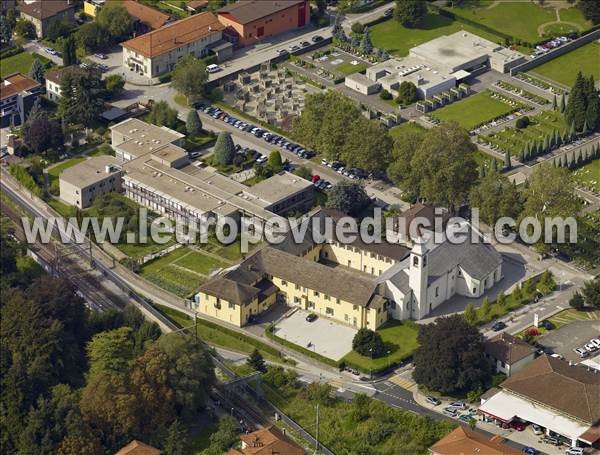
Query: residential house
(18, 94)
(136, 447)
(195, 6)
(53, 81)
(44, 13)
(250, 21)
(463, 441)
(267, 441)
(561, 398)
(508, 354)
(158, 52)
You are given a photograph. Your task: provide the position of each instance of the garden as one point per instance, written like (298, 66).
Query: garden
(478, 109)
(564, 69)
(519, 91)
(542, 126)
(539, 83)
(21, 63)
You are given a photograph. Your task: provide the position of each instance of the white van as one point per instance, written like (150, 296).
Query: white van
(213, 68)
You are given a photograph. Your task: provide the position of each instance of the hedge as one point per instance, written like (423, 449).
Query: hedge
(25, 179)
(10, 52)
(306, 352)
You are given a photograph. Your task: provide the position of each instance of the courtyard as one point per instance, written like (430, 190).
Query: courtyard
(322, 336)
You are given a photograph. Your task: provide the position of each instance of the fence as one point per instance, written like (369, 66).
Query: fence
(572, 45)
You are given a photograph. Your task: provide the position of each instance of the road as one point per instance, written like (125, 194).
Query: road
(36, 47)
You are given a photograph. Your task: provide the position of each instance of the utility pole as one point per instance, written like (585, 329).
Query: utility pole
(317, 445)
(196, 327)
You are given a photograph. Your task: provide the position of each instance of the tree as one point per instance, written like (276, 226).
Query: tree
(400, 170)
(577, 301)
(80, 100)
(501, 299)
(110, 352)
(37, 71)
(114, 84)
(591, 292)
(450, 357)
(69, 55)
(25, 29)
(175, 440)
(407, 93)
(495, 197)
(42, 134)
(115, 19)
(486, 306)
(275, 163)
(590, 9)
(583, 105)
(257, 362)
(348, 197)
(522, 122)
(366, 46)
(303, 172)
(367, 146)
(225, 436)
(507, 164)
(162, 114)
(470, 314)
(189, 77)
(367, 342)
(224, 148)
(357, 28)
(554, 103)
(5, 31)
(410, 13)
(193, 124)
(91, 37)
(562, 105)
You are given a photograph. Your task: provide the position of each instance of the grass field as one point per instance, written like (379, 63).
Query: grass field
(564, 69)
(472, 111)
(589, 175)
(400, 339)
(348, 68)
(181, 271)
(397, 40)
(20, 63)
(55, 171)
(407, 126)
(518, 19)
(541, 125)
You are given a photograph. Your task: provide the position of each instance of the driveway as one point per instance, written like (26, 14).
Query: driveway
(323, 336)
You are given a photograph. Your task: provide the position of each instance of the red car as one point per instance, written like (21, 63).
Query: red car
(518, 425)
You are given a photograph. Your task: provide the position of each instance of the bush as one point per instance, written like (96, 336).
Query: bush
(385, 95)
(357, 27)
(165, 78)
(522, 122)
(577, 301)
(367, 342)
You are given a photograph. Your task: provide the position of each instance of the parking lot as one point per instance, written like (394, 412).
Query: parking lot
(323, 336)
(565, 339)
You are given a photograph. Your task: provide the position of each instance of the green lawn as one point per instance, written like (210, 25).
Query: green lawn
(473, 110)
(348, 68)
(397, 40)
(55, 171)
(589, 175)
(20, 63)
(399, 337)
(564, 69)
(407, 126)
(520, 19)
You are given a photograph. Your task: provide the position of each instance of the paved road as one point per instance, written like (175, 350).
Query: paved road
(36, 47)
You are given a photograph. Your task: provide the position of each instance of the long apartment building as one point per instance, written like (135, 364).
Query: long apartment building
(358, 284)
(158, 51)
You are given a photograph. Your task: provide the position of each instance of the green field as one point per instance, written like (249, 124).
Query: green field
(397, 40)
(564, 69)
(589, 175)
(20, 63)
(473, 111)
(399, 337)
(514, 140)
(407, 126)
(520, 19)
(348, 68)
(181, 271)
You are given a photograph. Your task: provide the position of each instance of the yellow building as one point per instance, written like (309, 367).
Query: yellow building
(91, 7)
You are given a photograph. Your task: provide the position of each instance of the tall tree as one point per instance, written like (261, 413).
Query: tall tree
(590, 9)
(591, 292)
(495, 197)
(224, 148)
(450, 357)
(42, 134)
(366, 46)
(367, 146)
(111, 352)
(5, 31)
(91, 37)
(115, 19)
(348, 197)
(193, 125)
(189, 77)
(410, 13)
(400, 170)
(162, 114)
(69, 51)
(36, 71)
(256, 361)
(80, 100)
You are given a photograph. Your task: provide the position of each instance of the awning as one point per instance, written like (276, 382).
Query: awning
(505, 406)
(460, 75)
(591, 435)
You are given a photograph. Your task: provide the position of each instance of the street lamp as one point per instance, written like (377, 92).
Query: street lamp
(388, 359)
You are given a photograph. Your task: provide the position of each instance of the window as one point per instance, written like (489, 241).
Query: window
(437, 291)
(316, 293)
(474, 290)
(329, 311)
(231, 306)
(310, 304)
(415, 261)
(338, 301)
(297, 300)
(326, 297)
(297, 286)
(283, 283)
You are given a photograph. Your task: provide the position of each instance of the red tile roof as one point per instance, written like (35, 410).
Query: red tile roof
(463, 442)
(153, 18)
(15, 83)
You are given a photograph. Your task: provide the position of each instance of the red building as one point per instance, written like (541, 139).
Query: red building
(249, 21)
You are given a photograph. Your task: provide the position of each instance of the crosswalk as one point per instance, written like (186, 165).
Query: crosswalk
(336, 383)
(403, 382)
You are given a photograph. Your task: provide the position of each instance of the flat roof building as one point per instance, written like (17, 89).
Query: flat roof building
(95, 176)
(158, 52)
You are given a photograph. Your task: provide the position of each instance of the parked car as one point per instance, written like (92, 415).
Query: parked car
(304, 43)
(465, 418)
(213, 68)
(388, 12)
(311, 317)
(537, 429)
(281, 52)
(101, 56)
(316, 38)
(262, 159)
(581, 352)
(595, 342)
(457, 405)
(293, 47)
(547, 324)
(498, 326)
(551, 440)
(575, 451)
(452, 412)
(529, 451)
(50, 51)
(433, 400)
(518, 425)
(590, 347)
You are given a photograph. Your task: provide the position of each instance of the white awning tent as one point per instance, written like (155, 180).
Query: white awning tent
(505, 406)
(460, 75)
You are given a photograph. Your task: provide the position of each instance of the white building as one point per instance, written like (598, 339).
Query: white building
(508, 354)
(158, 52)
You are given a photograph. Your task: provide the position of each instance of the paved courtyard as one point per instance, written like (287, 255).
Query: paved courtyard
(323, 336)
(568, 337)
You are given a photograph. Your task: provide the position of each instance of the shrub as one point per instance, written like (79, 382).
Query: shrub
(385, 95)
(522, 122)
(357, 27)
(368, 343)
